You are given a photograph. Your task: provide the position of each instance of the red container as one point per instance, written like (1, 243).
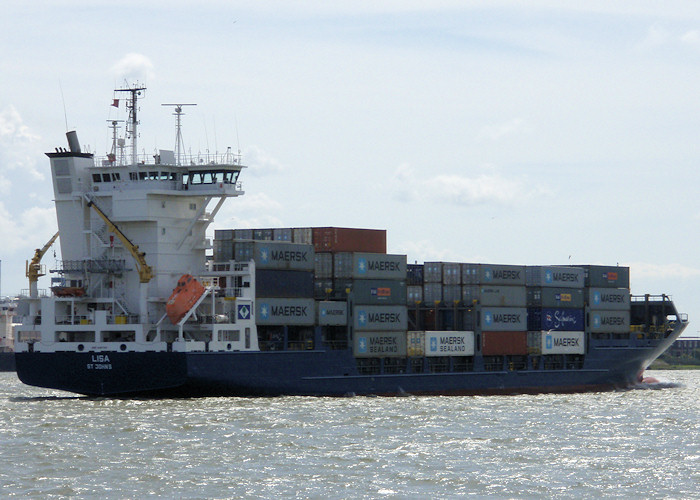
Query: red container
(345, 239)
(504, 343)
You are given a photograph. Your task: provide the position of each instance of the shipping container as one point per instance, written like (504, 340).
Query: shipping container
(342, 288)
(361, 265)
(449, 343)
(323, 265)
(503, 319)
(609, 298)
(470, 274)
(282, 234)
(272, 311)
(379, 266)
(549, 342)
(432, 292)
(223, 234)
(368, 317)
(342, 239)
(554, 276)
(607, 276)
(502, 296)
(388, 292)
(223, 250)
(469, 318)
(560, 319)
(414, 274)
(432, 272)
(608, 321)
(323, 288)
(379, 344)
(502, 343)
(333, 313)
(499, 274)
(275, 254)
(284, 284)
(555, 297)
(414, 294)
(302, 235)
(415, 344)
(451, 273)
(262, 234)
(242, 234)
(451, 293)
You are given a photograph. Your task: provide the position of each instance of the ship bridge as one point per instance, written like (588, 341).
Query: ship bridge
(206, 175)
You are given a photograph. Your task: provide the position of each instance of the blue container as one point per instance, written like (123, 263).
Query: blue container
(557, 319)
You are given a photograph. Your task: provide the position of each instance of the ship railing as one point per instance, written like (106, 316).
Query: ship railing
(122, 319)
(41, 293)
(202, 158)
(28, 336)
(233, 292)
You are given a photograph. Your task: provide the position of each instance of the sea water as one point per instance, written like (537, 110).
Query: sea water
(642, 443)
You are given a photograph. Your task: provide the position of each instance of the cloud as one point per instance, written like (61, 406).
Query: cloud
(29, 229)
(691, 38)
(458, 189)
(134, 67)
(17, 146)
(261, 163)
(249, 211)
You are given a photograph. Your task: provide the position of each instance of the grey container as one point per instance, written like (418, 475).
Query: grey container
(273, 311)
(379, 266)
(432, 292)
(451, 273)
(378, 292)
(379, 344)
(503, 319)
(414, 294)
(283, 283)
(302, 235)
(333, 313)
(243, 234)
(432, 272)
(555, 276)
(555, 297)
(262, 234)
(223, 250)
(282, 234)
(609, 298)
(451, 293)
(470, 274)
(366, 317)
(607, 276)
(223, 234)
(608, 321)
(281, 255)
(500, 274)
(342, 264)
(323, 265)
(502, 296)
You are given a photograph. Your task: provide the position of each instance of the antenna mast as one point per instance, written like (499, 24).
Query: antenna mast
(178, 136)
(112, 156)
(132, 122)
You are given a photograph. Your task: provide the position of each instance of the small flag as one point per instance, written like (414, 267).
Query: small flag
(115, 103)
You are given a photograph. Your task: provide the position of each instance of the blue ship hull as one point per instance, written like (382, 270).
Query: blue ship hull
(317, 373)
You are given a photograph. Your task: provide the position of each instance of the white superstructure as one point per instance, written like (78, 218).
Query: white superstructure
(129, 228)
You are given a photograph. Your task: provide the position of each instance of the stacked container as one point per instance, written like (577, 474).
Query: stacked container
(607, 299)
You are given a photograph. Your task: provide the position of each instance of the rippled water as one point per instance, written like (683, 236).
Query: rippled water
(631, 444)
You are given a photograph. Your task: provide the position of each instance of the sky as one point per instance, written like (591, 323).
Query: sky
(508, 132)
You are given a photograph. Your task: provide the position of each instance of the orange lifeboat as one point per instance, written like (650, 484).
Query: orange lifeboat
(186, 294)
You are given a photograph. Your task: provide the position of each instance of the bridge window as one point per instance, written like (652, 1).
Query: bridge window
(96, 178)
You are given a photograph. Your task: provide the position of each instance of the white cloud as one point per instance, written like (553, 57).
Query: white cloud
(17, 145)
(458, 189)
(261, 163)
(134, 67)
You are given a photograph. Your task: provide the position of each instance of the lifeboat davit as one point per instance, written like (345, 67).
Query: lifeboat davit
(184, 297)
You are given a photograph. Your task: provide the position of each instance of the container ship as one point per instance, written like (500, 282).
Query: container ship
(143, 304)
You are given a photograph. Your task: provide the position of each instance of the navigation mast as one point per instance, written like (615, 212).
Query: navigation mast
(132, 122)
(178, 136)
